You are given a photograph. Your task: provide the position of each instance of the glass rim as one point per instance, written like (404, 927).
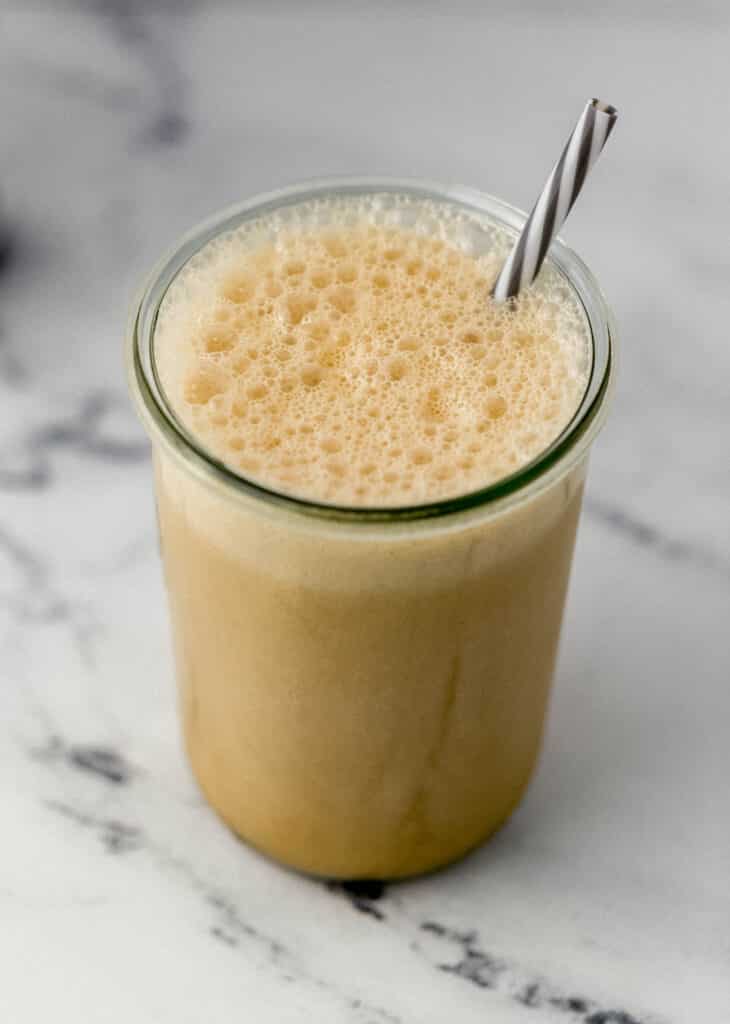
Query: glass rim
(564, 451)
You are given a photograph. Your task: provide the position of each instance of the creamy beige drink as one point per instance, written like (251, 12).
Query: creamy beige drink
(363, 692)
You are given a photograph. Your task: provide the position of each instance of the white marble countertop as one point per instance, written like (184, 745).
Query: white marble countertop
(606, 899)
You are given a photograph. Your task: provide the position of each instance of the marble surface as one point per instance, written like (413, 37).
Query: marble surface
(606, 899)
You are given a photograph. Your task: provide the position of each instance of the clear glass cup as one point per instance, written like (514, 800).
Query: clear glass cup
(363, 691)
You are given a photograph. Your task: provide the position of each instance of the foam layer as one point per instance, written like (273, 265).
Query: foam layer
(347, 351)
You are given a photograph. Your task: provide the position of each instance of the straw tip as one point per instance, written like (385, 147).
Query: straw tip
(604, 108)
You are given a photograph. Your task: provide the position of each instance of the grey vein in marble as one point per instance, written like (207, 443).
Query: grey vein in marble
(89, 431)
(12, 371)
(647, 535)
(229, 926)
(363, 895)
(116, 836)
(98, 761)
(487, 971)
(468, 961)
(167, 124)
(35, 601)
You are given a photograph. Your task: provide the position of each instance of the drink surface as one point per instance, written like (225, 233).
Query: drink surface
(346, 350)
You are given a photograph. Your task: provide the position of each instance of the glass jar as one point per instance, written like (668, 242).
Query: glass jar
(363, 691)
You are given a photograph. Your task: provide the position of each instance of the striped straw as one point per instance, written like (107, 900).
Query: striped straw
(556, 199)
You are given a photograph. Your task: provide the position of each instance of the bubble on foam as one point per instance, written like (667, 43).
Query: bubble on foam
(347, 350)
